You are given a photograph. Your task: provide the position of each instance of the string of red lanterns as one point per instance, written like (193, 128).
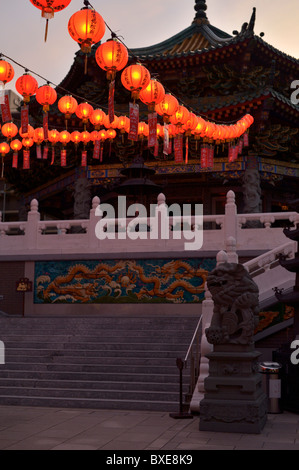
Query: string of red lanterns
(87, 27)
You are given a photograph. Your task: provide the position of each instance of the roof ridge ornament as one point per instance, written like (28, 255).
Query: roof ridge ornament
(252, 20)
(200, 8)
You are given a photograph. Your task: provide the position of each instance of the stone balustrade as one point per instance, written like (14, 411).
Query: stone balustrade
(230, 231)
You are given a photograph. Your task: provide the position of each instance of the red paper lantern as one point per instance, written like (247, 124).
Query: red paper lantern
(112, 56)
(64, 137)
(123, 124)
(153, 94)
(94, 135)
(27, 142)
(209, 130)
(46, 96)
(180, 117)
(200, 128)
(85, 137)
(6, 72)
(135, 78)
(67, 105)
(54, 136)
(103, 135)
(27, 86)
(76, 137)
(86, 27)
(16, 145)
(111, 134)
(167, 107)
(38, 135)
(84, 111)
(143, 130)
(191, 123)
(97, 118)
(27, 134)
(9, 130)
(111, 125)
(49, 7)
(4, 148)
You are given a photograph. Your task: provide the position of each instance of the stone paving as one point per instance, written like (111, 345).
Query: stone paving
(26, 428)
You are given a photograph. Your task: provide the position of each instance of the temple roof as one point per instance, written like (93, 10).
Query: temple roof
(200, 35)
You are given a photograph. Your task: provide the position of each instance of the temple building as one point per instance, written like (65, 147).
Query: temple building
(216, 75)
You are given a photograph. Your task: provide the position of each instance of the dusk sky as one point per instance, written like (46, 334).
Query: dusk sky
(139, 23)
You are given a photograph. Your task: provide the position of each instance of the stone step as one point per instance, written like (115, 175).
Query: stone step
(97, 368)
(107, 404)
(137, 346)
(98, 394)
(91, 324)
(144, 337)
(114, 360)
(89, 384)
(94, 353)
(84, 375)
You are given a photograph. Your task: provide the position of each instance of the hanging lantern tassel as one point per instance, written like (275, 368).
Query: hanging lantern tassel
(111, 100)
(187, 150)
(85, 65)
(84, 158)
(38, 152)
(2, 170)
(63, 157)
(45, 152)
(96, 150)
(53, 155)
(46, 30)
(15, 160)
(48, 14)
(26, 159)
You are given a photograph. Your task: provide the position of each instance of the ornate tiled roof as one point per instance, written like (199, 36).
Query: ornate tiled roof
(200, 35)
(218, 102)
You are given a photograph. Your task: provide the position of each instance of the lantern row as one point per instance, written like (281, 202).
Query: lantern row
(168, 134)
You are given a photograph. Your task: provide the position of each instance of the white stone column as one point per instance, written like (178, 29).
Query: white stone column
(31, 231)
(93, 219)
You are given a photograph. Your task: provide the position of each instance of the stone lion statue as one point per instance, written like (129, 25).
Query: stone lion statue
(236, 305)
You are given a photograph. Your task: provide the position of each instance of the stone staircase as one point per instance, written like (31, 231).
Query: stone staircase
(94, 362)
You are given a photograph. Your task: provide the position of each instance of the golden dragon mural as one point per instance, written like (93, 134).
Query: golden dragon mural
(177, 281)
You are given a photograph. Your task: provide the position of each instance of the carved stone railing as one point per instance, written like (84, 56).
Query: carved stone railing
(226, 231)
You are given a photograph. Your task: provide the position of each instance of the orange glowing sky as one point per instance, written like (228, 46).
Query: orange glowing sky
(139, 23)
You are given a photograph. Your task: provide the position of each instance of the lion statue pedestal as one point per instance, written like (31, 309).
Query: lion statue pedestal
(234, 400)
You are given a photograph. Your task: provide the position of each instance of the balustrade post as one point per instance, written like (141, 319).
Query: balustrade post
(230, 218)
(93, 220)
(161, 228)
(31, 231)
(232, 256)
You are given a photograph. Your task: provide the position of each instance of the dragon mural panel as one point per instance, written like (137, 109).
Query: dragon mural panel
(122, 281)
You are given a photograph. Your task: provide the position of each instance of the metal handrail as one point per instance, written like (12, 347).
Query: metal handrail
(194, 369)
(194, 353)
